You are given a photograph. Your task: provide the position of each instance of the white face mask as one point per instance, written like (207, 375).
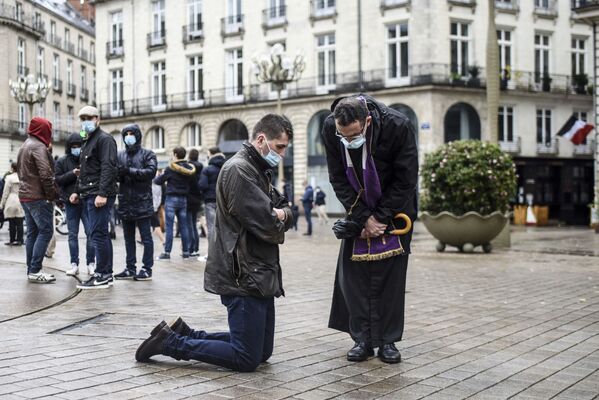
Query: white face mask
(272, 158)
(357, 141)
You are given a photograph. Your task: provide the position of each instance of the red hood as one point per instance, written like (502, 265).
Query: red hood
(41, 128)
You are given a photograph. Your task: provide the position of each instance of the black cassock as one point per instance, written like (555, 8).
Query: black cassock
(368, 297)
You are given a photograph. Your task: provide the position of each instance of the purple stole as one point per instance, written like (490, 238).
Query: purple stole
(384, 246)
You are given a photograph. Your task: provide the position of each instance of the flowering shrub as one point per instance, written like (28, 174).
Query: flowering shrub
(467, 176)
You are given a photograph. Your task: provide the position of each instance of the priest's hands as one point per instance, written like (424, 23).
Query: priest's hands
(372, 228)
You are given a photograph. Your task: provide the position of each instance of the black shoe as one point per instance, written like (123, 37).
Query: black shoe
(164, 256)
(389, 354)
(307, 234)
(126, 274)
(153, 345)
(97, 281)
(113, 235)
(8, 244)
(177, 325)
(360, 352)
(17, 243)
(185, 256)
(143, 275)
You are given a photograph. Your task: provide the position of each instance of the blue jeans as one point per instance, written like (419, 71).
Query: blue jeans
(76, 214)
(145, 231)
(38, 215)
(99, 219)
(176, 206)
(249, 341)
(192, 226)
(308, 215)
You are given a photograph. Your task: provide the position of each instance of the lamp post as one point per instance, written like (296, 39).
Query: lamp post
(28, 90)
(278, 69)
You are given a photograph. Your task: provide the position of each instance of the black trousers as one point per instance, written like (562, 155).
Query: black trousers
(369, 297)
(15, 229)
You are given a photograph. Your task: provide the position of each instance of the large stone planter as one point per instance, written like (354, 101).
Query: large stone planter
(464, 232)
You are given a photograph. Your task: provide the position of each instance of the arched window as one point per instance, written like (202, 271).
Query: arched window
(316, 151)
(157, 139)
(408, 112)
(193, 133)
(461, 123)
(231, 135)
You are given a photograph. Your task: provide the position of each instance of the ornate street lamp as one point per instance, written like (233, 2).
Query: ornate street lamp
(278, 69)
(28, 90)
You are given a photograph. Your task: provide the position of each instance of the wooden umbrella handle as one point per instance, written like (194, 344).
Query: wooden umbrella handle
(407, 228)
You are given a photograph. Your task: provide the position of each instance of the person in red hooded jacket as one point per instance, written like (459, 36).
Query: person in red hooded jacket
(37, 191)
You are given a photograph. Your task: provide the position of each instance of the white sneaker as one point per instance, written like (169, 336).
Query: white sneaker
(203, 258)
(74, 270)
(91, 268)
(41, 277)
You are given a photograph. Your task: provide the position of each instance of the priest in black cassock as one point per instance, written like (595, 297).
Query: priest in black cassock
(372, 158)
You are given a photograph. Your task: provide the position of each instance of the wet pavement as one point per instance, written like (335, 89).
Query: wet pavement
(519, 323)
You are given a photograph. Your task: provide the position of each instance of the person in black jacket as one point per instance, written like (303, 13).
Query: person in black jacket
(243, 259)
(66, 171)
(307, 203)
(96, 189)
(137, 167)
(178, 176)
(372, 159)
(207, 186)
(194, 204)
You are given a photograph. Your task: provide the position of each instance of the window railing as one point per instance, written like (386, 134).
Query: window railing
(42, 77)
(388, 4)
(319, 10)
(232, 25)
(56, 41)
(71, 90)
(69, 48)
(274, 17)
(22, 20)
(193, 33)
(467, 3)
(82, 53)
(548, 148)
(114, 49)
(546, 8)
(586, 149)
(22, 70)
(156, 39)
(84, 95)
(57, 85)
(512, 147)
(581, 4)
(507, 5)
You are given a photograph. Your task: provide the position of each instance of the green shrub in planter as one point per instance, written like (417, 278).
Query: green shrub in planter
(465, 176)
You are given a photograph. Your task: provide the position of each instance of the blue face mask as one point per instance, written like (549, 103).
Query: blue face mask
(130, 140)
(88, 126)
(76, 151)
(272, 158)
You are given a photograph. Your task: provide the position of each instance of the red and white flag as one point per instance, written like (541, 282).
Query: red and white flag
(575, 130)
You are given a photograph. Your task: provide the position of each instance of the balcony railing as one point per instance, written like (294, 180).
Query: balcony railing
(22, 20)
(511, 6)
(82, 53)
(84, 95)
(114, 49)
(465, 3)
(587, 149)
(512, 147)
(577, 5)
(42, 77)
(548, 148)
(389, 4)
(156, 39)
(71, 90)
(319, 10)
(69, 48)
(232, 25)
(22, 70)
(57, 85)
(546, 8)
(56, 41)
(193, 33)
(274, 17)
(13, 127)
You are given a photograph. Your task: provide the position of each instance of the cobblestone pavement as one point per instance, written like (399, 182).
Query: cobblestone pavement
(520, 324)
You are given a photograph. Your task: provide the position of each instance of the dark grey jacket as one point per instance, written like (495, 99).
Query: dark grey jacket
(243, 255)
(99, 170)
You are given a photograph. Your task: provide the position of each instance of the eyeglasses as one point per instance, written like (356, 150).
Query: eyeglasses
(354, 136)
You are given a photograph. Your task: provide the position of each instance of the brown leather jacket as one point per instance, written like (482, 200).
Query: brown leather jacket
(35, 168)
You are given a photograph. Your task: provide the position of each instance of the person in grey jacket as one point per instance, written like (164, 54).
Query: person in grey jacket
(243, 259)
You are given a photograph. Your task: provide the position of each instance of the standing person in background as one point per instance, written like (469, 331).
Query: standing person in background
(320, 204)
(157, 204)
(67, 172)
(13, 211)
(178, 176)
(307, 203)
(37, 191)
(137, 167)
(96, 189)
(207, 185)
(194, 204)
